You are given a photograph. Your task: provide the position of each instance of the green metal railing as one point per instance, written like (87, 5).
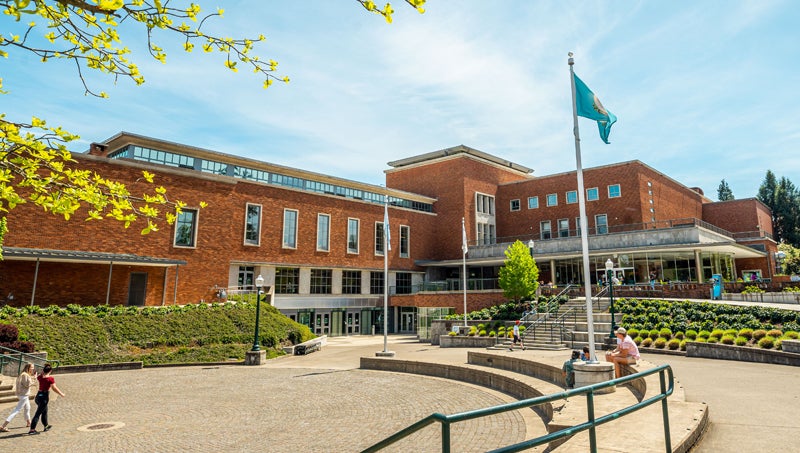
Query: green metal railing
(665, 377)
(8, 356)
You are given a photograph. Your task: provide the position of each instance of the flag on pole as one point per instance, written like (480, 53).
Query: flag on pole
(386, 230)
(464, 247)
(588, 106)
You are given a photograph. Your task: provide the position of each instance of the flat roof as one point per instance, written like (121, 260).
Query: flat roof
(86, 257)
(460, 149)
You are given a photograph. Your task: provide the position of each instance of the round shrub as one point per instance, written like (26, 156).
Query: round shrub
(774, 333)
(660, 342)
(674, 344)
(451, 333)
(653, 334)
(712, 340)
(638, 340)
(727, 339)
(691, 334)
(746, 333)
(717, 333)
(683, 345)
(492, 333)
(521, 329)
(647, 342)
(679, 335)
(732, 332)
(766, 342)
(481, 327)
(740, 341)
(665, 333)
(700, 339)
(703, 334)
(633, 333)
(759, 334)
(791, 335)
(482, 333)
(779, 344)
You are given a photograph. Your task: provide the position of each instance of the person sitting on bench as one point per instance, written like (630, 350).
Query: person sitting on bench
(626, 352)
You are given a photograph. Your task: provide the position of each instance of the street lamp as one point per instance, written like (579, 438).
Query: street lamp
(610, 278)
(259, 285)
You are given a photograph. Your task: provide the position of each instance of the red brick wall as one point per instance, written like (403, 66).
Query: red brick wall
(746, 215)
(475, 300)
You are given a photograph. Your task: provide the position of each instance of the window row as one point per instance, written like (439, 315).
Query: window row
(287, 281)
(592, 194)
(564, 231)
(187, 221)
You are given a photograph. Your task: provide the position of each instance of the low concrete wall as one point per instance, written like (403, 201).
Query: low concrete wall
(98, 367)
(741, 353)
(506, 384)
(461, 341)
(791, 346)
(541, 371)
(770, 298)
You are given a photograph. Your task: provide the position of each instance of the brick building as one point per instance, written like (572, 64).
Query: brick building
(317, 240)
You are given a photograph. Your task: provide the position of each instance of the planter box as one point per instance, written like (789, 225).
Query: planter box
(459, 341)
(741, 353)
(773, 298)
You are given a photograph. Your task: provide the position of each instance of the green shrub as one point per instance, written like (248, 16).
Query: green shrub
(521, 329)
(727, 339)
(683, 345)
(691, 334)
(791, 335)
(647, 342)
(481, 327)
(638, 340)
(660, 342)
(472, 331)
(700, 339)
(633, 333)
(717, 333)
(712, 340)
(740, 341)
(452, 333)
(482, 333)
(732, 332)
(752, 289)
(779, 344)
(791, 289)
(674, 344)
(679, 335)
(759, 334)
(492, 333)
(746, 333)
(774, 333)
(704, 334)
(766, 342)
(665, 333)
(653, 334)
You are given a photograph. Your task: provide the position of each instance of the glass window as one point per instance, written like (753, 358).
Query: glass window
(515, 205)
(486, 234)
(533, 202)
(592, 194)
(287, 280)
(601, 223)
(577, 226)
(186, 228)
(351, 282)
(403, 283)
(252, 226)
(552, 199)
(218, 168)
(614, 191)
(376, 282)
(544, 229)
(246, 280)
(405, 235)
(379, 238)
(563, 228)
(484, 204)
(572, 196)
(323, 233)
(289, 228)
(352, 235)
(321, 281)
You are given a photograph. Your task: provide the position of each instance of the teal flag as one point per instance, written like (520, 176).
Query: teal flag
(589, 106)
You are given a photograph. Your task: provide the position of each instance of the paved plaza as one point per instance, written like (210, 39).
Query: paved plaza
(323, 403)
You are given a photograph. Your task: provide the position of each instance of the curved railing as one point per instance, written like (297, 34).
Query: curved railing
(666, 379)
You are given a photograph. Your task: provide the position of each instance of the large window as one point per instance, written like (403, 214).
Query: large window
(405, 236)
(614, 191)
(252, 225)
(321, 281)
(287, 280)
(592, 194)
(563, 228)
(379, 238)
(186, 228)
(601, 223)
(376, 282)
(572, 196)
(323, 233)
(486, 234)
(289, 228)
(403, 283)
(515, 205)
(544, 230)
(246, 280)
(352, 235)
(484, 204)
(533, 202)
(351, 282)
(552, 199)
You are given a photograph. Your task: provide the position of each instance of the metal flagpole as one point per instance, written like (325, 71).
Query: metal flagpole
(386, 248)
(582, 209)
(464, 272)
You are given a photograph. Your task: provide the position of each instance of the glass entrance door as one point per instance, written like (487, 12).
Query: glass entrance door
(322, 323)
(337, 323)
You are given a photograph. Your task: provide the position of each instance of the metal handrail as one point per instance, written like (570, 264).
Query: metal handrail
(590, 424)
(8, 355)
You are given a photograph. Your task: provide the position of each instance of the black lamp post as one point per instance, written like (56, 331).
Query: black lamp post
(259, 284)
(610, 278)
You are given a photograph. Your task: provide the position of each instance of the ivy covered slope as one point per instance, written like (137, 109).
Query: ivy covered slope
(174, 334)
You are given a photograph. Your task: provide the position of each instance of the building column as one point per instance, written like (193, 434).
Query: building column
(698, 265)
(366, 277)
(553, 271)
(336, 281)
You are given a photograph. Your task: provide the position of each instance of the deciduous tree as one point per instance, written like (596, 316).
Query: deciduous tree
(519, 276)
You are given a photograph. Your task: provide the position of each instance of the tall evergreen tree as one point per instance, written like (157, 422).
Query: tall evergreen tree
(724, 192)
(782, 197)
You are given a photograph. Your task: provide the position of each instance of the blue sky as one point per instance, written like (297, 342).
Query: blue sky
(703, 90)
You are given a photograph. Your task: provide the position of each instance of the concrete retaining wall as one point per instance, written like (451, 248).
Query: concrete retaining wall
(460, 341)
(98, 367)
(742, 353)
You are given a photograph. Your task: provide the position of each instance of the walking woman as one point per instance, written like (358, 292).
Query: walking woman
(46, 382)
(22, 390)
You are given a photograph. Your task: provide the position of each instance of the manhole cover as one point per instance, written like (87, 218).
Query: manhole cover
(101, 426)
